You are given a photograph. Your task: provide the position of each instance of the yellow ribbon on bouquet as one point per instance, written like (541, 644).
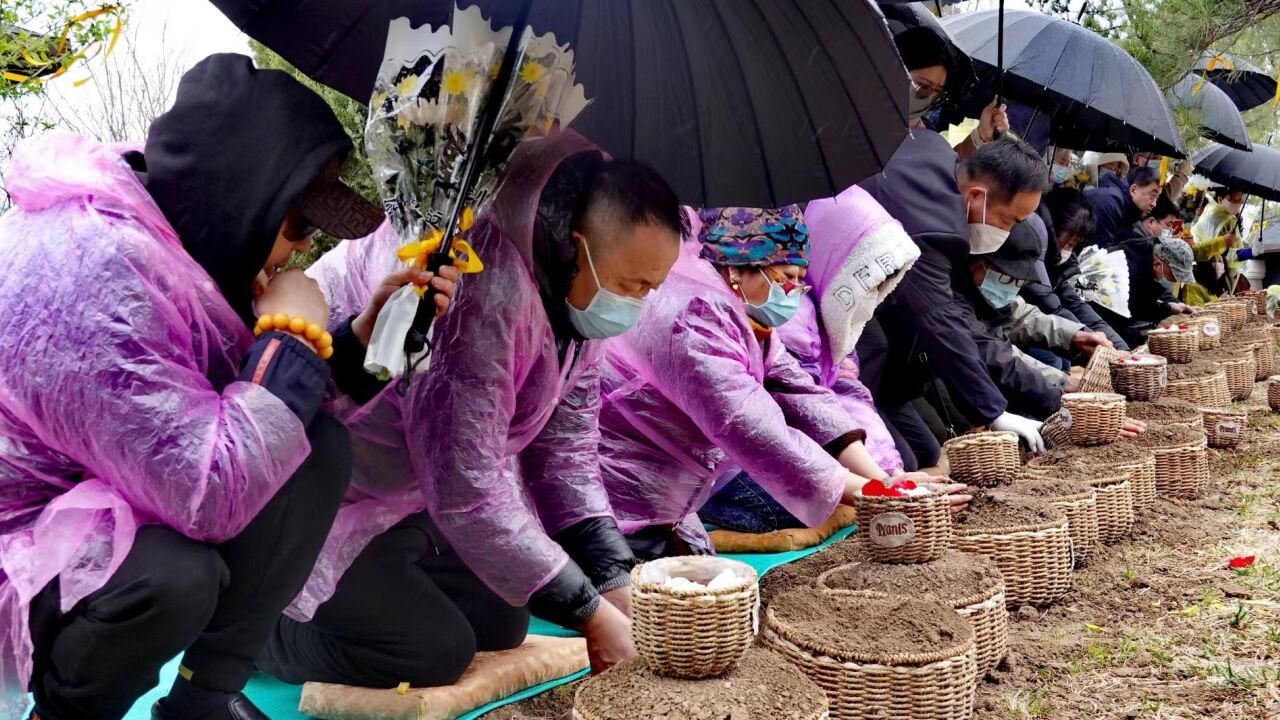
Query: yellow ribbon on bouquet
(464, 258)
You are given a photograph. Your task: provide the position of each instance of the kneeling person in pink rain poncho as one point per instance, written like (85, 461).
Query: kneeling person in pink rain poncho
(702, 385)
(166, 480)
(857, 255)
(507, 514)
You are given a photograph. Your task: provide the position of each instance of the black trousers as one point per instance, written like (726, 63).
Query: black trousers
(407, 610)
(171, 593)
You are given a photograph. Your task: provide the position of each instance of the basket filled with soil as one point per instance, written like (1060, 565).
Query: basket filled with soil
(1109, 460)
(693, 616)
(1166, 412)
(1209, 325)
(1139, 377)
(764, 685)
(1075, 499)
(1097, 374)
(877, 658)
(1182, 463)
(1224, 427)
(1239, 364)
(902, 524)
(971, 584)
(1264, 358)
(1273, 392)
(1027, 538)
(1176, 343)
(983, 459)
(1200, 383)
(1096, 418)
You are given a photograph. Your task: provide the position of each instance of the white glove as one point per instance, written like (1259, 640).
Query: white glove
(1026, 428)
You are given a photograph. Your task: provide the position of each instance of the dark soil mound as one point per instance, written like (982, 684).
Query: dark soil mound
(1065, 485)
(950, 579)
(803, 572)
(1162, 410)
(1075, 462)
(763, 686)
(1002, 509)
(853, 627)
(1159, 437)
(1193, 369)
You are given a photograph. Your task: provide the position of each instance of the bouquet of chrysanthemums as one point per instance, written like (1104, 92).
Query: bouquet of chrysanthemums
(1104, 279)
(424, 117)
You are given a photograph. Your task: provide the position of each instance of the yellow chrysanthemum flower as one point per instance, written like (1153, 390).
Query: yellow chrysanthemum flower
(455, 82)
(532, 72)
(405, 86)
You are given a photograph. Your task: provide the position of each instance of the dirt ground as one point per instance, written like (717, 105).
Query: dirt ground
(1157, 627)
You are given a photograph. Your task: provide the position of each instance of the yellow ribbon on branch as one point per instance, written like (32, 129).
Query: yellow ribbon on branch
(1213, 62)
(42, 60)
(464, 258)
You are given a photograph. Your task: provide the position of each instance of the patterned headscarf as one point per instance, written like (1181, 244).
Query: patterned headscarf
(749, 237)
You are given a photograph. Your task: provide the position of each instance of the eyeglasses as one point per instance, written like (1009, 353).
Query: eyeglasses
(793, 288)
(925, 90)
(1006, 279)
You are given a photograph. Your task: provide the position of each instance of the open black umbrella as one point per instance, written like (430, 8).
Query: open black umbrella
(1254, 173)
(758, 104)
(1095, 95)
(1219, 118)
(904, 16)
(1248, 85)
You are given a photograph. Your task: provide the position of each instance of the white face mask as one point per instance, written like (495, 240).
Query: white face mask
(984, 238)
(1231, 207)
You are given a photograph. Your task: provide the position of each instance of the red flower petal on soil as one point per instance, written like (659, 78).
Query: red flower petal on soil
(1241, 563)
(903, 485)
(875, 488)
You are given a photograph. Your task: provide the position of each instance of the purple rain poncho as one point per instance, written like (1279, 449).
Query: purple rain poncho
(497, 440)
(857, 255)
(118, 400)
(685, 399)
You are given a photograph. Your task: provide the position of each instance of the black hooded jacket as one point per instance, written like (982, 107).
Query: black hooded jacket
(224, 165)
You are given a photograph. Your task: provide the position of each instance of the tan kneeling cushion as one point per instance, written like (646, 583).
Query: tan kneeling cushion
(728, 541)
(492, 676)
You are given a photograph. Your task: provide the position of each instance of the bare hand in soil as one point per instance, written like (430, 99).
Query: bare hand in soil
(1087, 342)
(1132, 428)
(621, 599)
(956, 492)
(608, 634)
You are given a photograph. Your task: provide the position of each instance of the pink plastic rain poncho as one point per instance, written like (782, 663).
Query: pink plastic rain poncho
(857, 255)
(685, 400)
(117, 401)
(498, 439)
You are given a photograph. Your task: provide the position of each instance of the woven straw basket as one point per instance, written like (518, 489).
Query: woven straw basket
(1264, 358)
(1259, 302)
(1210, 327)
(1206, 390)
(1140, 382)
(1097, 374)
(985, 610)
(1240, 373)
(983, 459)
(1178, 346)
(904, 530)
(1234, 312)
(1115, 508)
(1182, 471)
(1056, 429)
(1034, 559)
(1275, 335)
(937, 684)
(693, 633)
(1142, 479)
(1273, 392)
(1096, 418)
(1224, 427)
(1081, 510)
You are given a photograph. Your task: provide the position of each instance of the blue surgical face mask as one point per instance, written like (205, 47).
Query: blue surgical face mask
(1061, 173)
(777, 308)
(996, 292)
(608, 314)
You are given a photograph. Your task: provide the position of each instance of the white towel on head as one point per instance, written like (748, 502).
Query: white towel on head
(867, 276)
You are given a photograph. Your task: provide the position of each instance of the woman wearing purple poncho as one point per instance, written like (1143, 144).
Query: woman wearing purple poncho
(702, 385)
(166, 480)
(478, 493)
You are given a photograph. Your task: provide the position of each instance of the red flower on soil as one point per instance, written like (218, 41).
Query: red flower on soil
(875, 488)
(1241, 563)
(902, 485)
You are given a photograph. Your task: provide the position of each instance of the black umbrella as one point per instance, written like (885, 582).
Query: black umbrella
(758, 104)
(1248, 85)
(1219, 118)
(1254, 173)
(1095, 95)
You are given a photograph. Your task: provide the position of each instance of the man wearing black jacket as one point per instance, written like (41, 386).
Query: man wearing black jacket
(923, 330)
(1118, 203)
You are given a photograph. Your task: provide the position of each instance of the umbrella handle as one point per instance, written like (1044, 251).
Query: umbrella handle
(995, 133)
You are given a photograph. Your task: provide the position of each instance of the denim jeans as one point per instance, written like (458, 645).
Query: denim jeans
(1050, 358)
(744, 506)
